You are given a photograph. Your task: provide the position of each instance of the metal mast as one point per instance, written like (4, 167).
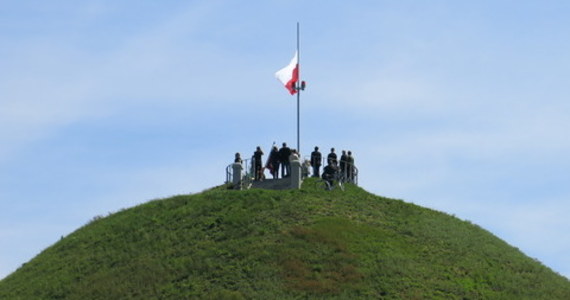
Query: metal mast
(298, 88)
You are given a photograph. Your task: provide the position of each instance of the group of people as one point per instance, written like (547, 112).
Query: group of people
(334, 168)
(280, 158)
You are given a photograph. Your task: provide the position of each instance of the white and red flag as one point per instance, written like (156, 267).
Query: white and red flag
(290, 74)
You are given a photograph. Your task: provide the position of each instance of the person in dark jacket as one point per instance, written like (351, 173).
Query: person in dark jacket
(332, 158)
(257, 163)
(237, 159)
(330, 172)
(351, 170)
(284, 154)
(316, 161)
(343, 165)
(273, 162)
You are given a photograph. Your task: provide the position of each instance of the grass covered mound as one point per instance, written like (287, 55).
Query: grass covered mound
(260, 244)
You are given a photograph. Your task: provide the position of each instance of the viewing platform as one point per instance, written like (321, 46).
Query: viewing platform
(240, 177)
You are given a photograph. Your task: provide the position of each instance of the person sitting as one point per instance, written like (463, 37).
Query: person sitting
(330, 172)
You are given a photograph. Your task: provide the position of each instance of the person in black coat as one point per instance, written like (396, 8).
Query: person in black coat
(284, 154)
(257, 162)
(330, 173)
(351, 170)
(237, 158)
(332, 158)
(343, 164)
(316, 161)
(273, 162)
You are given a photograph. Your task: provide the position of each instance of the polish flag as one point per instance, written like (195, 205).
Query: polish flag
(290, 74)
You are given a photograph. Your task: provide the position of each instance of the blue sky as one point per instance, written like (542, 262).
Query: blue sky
(459, 106)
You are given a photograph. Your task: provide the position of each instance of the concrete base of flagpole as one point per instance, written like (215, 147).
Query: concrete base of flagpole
(237, 169)
(296, 178)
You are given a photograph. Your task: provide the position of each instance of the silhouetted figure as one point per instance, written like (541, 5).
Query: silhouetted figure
(331, 158)
(257, 163)
(351, 170)
(273, 162)
(329, 172)
(316, 161)
(284, 154)
(237, 159)
(343, 167)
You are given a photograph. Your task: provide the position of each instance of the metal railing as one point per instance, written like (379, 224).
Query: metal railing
(246, 175)
(229, 173)
(248, 172)
(351, 179)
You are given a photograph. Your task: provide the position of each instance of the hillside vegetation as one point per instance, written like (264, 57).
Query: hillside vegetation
(295, 244)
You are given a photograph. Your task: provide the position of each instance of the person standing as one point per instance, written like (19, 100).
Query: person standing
(257, 162)
(316, 161)
(332, 158)
(350, 166)
(343, 169)
(284, 154)
(273, 162)
(237, 158)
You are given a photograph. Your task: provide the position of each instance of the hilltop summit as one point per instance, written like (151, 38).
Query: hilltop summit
(265, 244)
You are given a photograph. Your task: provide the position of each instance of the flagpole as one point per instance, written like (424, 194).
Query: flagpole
(298, 95)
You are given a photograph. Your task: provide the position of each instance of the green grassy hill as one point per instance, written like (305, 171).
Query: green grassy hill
(296, 244)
